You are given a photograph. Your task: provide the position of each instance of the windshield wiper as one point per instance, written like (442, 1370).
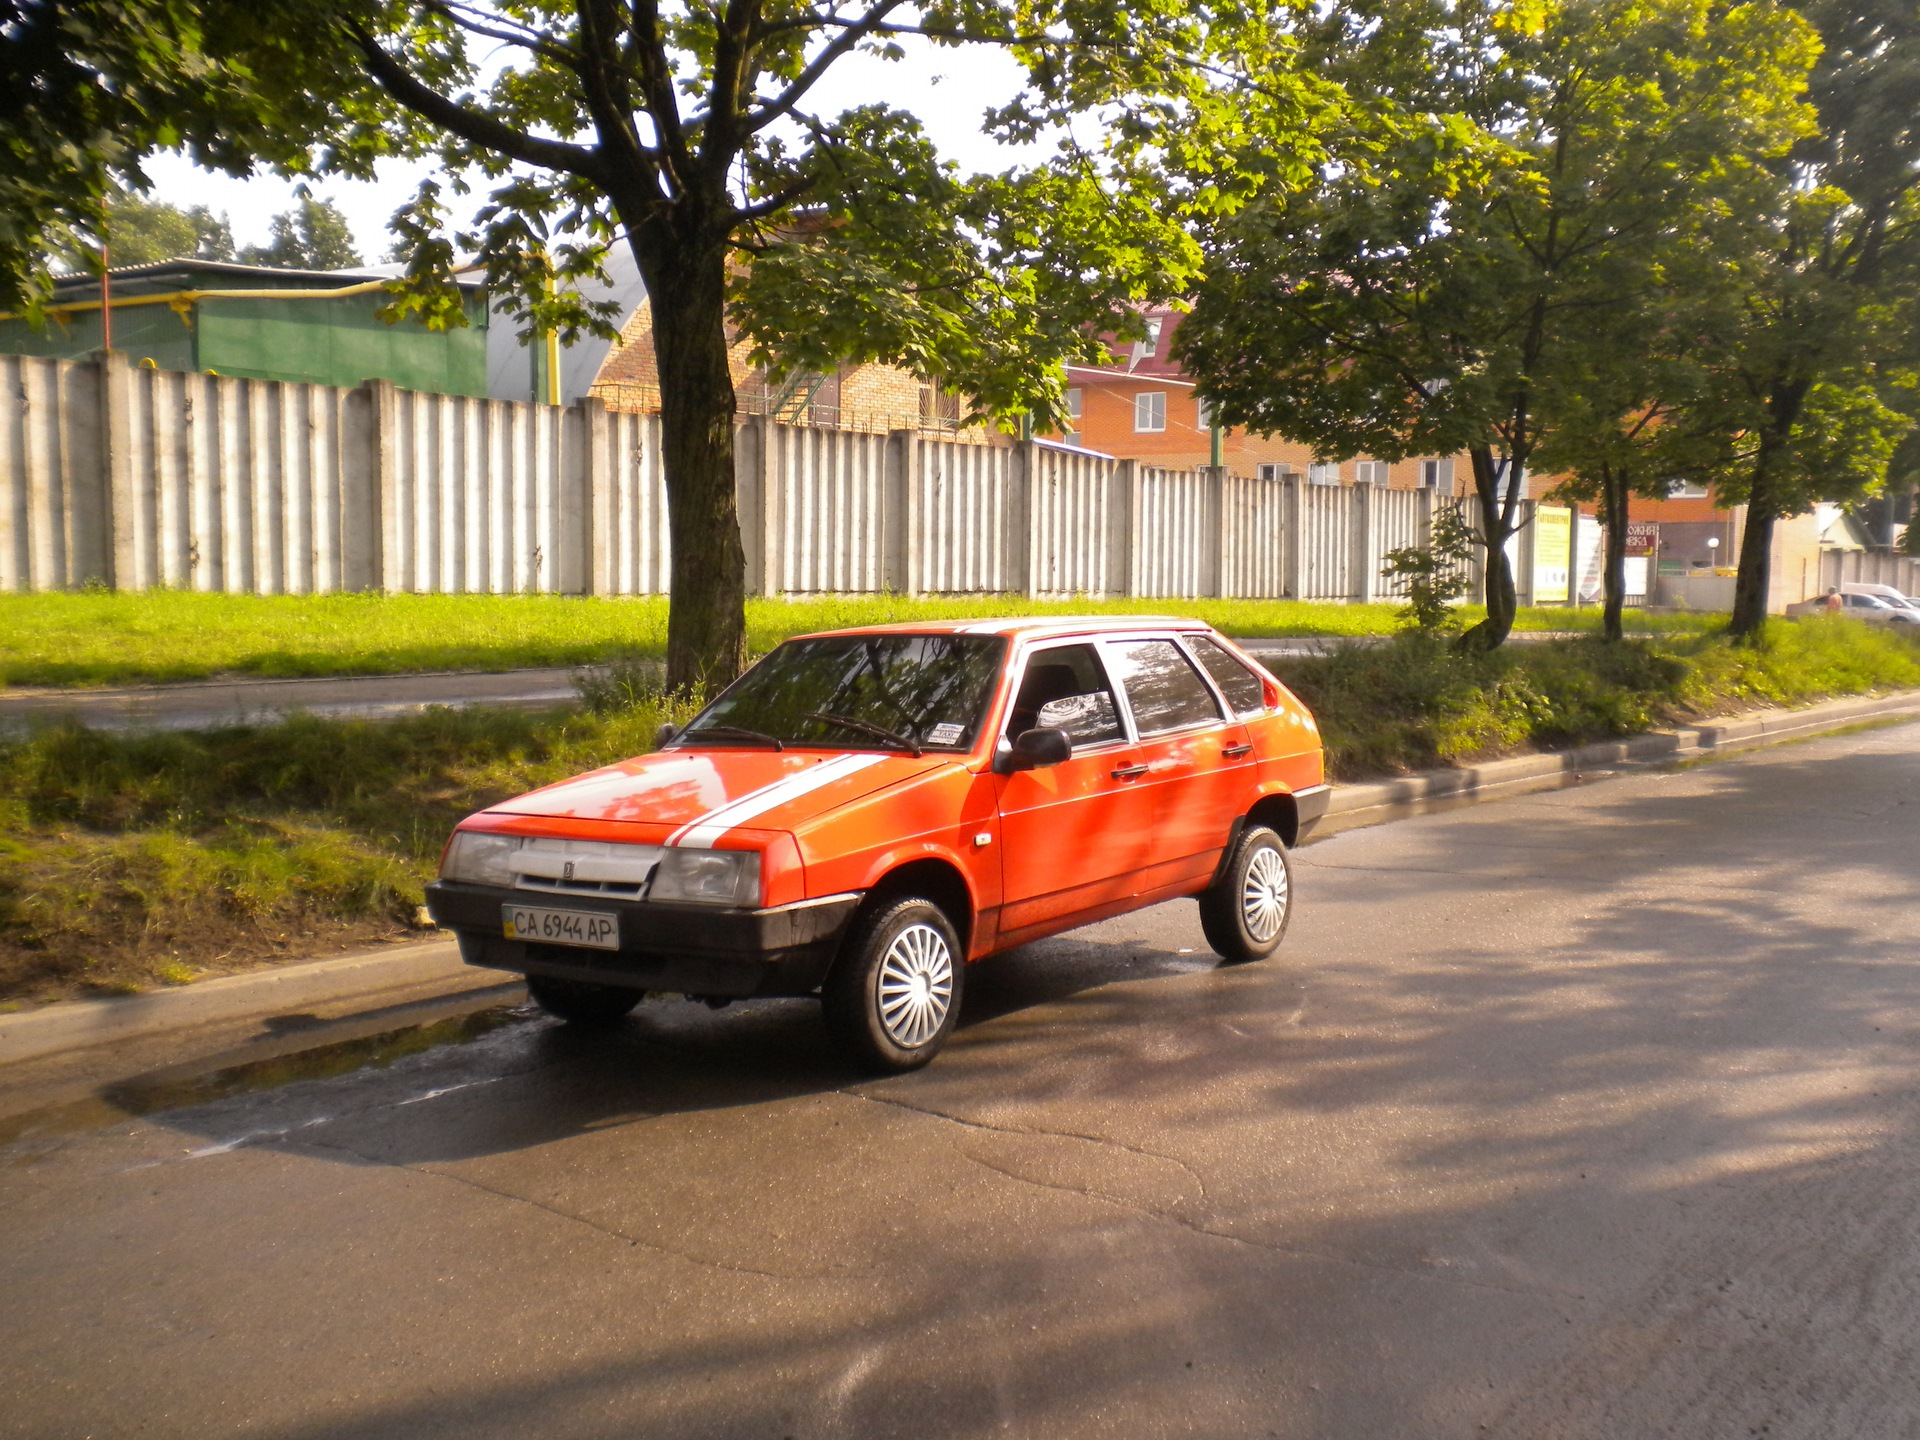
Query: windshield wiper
(733, 732)
(865, 727)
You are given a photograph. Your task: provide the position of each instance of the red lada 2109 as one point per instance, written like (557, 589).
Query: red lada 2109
(864, 812)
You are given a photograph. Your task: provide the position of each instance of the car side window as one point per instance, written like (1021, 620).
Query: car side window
(1163, 688)
(1240, 685)
(1065, 688)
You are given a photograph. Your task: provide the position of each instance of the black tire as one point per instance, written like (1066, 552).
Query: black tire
(1238, 913)
(893, 995)
(580, 1003)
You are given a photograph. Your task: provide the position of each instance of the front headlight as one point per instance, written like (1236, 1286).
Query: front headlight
(479, 858)
(708, 877)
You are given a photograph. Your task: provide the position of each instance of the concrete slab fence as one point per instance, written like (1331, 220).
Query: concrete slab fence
(135, 478)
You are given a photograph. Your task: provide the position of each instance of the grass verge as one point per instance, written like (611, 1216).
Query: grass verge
(1418, 703)
(105, 638)
(131, 860)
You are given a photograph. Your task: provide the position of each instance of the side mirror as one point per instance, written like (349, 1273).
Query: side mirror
(665, 735)
(1039, 747)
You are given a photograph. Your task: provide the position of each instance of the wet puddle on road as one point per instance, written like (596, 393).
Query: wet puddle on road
(326, 1054)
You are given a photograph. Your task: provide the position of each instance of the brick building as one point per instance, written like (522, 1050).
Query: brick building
(1143, 407)
(869, 398)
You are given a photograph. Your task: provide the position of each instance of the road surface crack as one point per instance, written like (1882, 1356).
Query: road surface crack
(704, 1261)
(1196, 1227)
(1035, 1131)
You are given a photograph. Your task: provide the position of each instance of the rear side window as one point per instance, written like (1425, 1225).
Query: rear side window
(1163, 688)
(1065, 688)
(1240, 685)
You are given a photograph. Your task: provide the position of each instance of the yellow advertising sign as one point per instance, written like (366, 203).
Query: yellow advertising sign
(1552, 554)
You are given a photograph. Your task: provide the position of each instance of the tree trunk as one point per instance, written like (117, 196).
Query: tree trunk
(706, 615)
(1495, 530)
(1613, 500)
(1751, 580)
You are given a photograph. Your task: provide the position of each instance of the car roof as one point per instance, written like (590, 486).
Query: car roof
(1023, 627)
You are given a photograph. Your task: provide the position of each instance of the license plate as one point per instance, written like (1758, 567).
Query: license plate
(592, 928)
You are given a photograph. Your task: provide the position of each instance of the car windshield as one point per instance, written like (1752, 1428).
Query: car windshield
(860, 692)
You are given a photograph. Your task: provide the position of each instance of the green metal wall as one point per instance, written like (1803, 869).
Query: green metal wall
(339, 341)
(141, 331)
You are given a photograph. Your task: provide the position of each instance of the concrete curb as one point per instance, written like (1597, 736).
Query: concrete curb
(285, 989)
(355, 979)
(1371, 804)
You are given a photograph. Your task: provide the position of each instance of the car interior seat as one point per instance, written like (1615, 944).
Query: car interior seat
(1043, 684)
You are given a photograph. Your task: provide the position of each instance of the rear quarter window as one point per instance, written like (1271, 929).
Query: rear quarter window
(1240, 685)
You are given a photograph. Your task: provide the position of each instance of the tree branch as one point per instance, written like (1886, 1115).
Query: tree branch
(852, 35)
(473, 126)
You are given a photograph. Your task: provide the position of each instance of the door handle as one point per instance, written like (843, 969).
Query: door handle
(1127, 772)
(1235, 750)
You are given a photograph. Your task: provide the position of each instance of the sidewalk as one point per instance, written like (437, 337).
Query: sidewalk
(199, 705)
(288, 996)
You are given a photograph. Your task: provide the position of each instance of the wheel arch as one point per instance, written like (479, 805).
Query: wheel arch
(932, 878)
(1280, 813)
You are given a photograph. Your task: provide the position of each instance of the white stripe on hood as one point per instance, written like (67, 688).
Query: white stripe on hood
(715, 823)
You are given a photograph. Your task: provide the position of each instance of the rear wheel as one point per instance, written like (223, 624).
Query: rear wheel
(1245, 913)
(581, 1003)
(892, 997)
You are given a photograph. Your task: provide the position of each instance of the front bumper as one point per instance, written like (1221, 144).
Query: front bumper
(691, 949)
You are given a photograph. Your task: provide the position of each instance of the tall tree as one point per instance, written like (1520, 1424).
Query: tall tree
(139, 231)
(1827, 328)
(1468, 233)
(314, 235)
(691, 134)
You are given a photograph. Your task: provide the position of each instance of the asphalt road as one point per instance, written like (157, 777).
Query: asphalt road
(1587, 1114)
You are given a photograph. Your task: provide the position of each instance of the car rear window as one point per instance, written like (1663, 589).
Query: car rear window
(1162, 686)
(930, 689)
(1240, 685)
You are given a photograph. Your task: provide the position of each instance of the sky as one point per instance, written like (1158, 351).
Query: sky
(949, 89)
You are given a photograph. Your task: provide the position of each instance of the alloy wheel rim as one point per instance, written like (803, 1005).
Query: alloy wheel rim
(1263, 894)
(916, 986)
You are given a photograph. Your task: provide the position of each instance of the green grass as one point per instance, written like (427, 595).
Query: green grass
(94, 638)
(1418, 703)
(131, 860)
(135, 859)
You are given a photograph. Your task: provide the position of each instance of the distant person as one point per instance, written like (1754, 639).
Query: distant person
(1834, 602)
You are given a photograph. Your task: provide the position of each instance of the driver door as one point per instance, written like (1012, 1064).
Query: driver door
(1074, 836)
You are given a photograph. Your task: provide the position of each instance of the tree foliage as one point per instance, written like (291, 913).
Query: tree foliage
(140, 231)
(690, 134)
(314, 235)
(1472, 230)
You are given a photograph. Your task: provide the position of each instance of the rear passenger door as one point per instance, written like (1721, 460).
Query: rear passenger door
(1199, 762)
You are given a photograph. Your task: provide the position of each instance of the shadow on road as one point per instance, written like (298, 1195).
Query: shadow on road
(1591, 1114)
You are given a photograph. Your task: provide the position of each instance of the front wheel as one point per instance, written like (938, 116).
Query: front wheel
(892, 997)
(1245, 912)
(581, 1003)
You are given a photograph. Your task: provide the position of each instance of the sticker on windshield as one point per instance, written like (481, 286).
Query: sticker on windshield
(944, 734)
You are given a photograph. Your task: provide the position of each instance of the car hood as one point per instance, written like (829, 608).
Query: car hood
(696, 796)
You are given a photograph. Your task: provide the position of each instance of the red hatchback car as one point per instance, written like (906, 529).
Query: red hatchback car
(866, 811)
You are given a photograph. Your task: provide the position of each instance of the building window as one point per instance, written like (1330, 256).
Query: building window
(1437, 475)
(1324, 472)
(1685, 490)
(1075, 399)
(1203, 413)
(1278, 471)
(1371, 472)
(1150, 410)
(1147, 348)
